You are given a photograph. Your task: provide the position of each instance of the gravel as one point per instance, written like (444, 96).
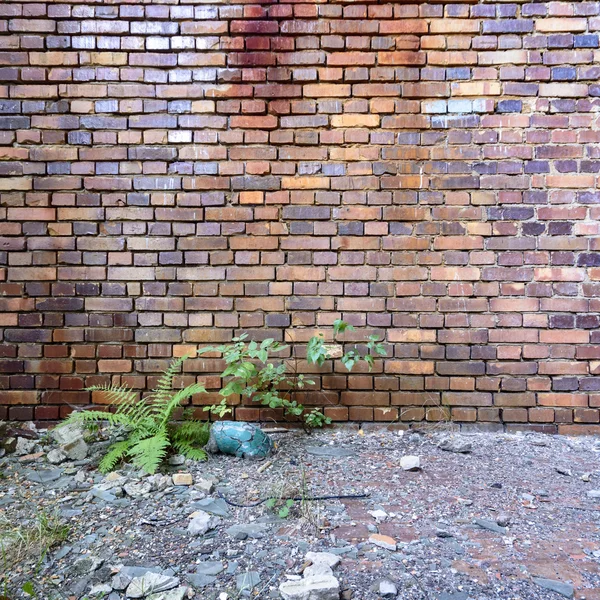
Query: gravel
(497, 522)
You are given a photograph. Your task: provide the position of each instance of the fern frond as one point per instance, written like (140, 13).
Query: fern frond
(165, 381)
(93, 416)
(191, 431)
(165, 411)
(115, 394)
(150, 452)
(115, 453)
(190, 451)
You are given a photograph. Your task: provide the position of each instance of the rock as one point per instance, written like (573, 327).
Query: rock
(150, 583)
(247, 581)
(383, 541)
(70, 439)
(329, 451)
(214, 506)
(75, 450)
(456, 445)
(387, 589)
(564, 589)
(177, 594)
(126, 575)
(503, 520)
(205, 485)
(251, 530)
(44, 476)
(200, 580)
(239, 439)
(102, 495)
(410, 463)
(137, 489)
(182, 479)
(56, 456)
(594, 493)
(490, 526)
(24, 446)
(311, 588)
(202, 522)
(378, 515)
(330, 559)
(176, 460)
(100, 589)
(86, 565)
(210, 567)
(586, 477)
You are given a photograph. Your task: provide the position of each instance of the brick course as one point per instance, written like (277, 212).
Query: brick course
(173, 174)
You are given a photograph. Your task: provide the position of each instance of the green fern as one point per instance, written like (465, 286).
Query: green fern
(147, 422)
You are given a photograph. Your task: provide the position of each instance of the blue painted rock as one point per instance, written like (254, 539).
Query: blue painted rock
(239, 439)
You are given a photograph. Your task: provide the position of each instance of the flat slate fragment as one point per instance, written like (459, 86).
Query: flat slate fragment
(329, 451)
(564, 589)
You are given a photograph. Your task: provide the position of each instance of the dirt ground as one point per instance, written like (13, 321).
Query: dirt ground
(514, 518)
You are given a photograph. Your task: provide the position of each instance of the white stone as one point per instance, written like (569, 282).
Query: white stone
(410, 463)
(330, 559)
(182, 479)
(150, 583)
(387, 589)
(202, 522)
(135, 490)
(176, 594)
(56, 456)
(24, 446)
(311, 588)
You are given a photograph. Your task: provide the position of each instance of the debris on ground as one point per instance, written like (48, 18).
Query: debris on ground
(442, 516)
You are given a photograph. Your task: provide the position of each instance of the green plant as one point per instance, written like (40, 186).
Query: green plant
(284, 508)
(253, 373)
(148, 423)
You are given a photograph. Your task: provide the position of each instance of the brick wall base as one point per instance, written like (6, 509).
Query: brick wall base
(175, 173)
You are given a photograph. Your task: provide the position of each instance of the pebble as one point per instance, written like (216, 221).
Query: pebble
(383, 541)
(410, 463)
(455, 445)
(564, 589)
(387, 589)
(490, 526)
(150, 583)
(182, 479)
(202, 522)
(247, 581)
(313, 588)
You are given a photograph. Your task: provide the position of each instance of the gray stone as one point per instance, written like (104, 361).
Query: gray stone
(410, 463)
(100, 589)
(210, 567)
(102, 495)
(24, 446)
(594, 493)
(176, 460)
(503, 520)
(75, 450)
(456, 445)
(202, 522)
(205, 485)
(311, 588)
(150, 583)
(176, 594)
(86, 565)
(200, 580)
(564, 589)
(44, 476)
(242, 532)
(137, 489)
(387, 589)
(214, 506)
(329, 451)
(247, 581)
(56, 456)
(490, 526)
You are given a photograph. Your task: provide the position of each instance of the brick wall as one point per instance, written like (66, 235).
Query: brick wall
(173, 174)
